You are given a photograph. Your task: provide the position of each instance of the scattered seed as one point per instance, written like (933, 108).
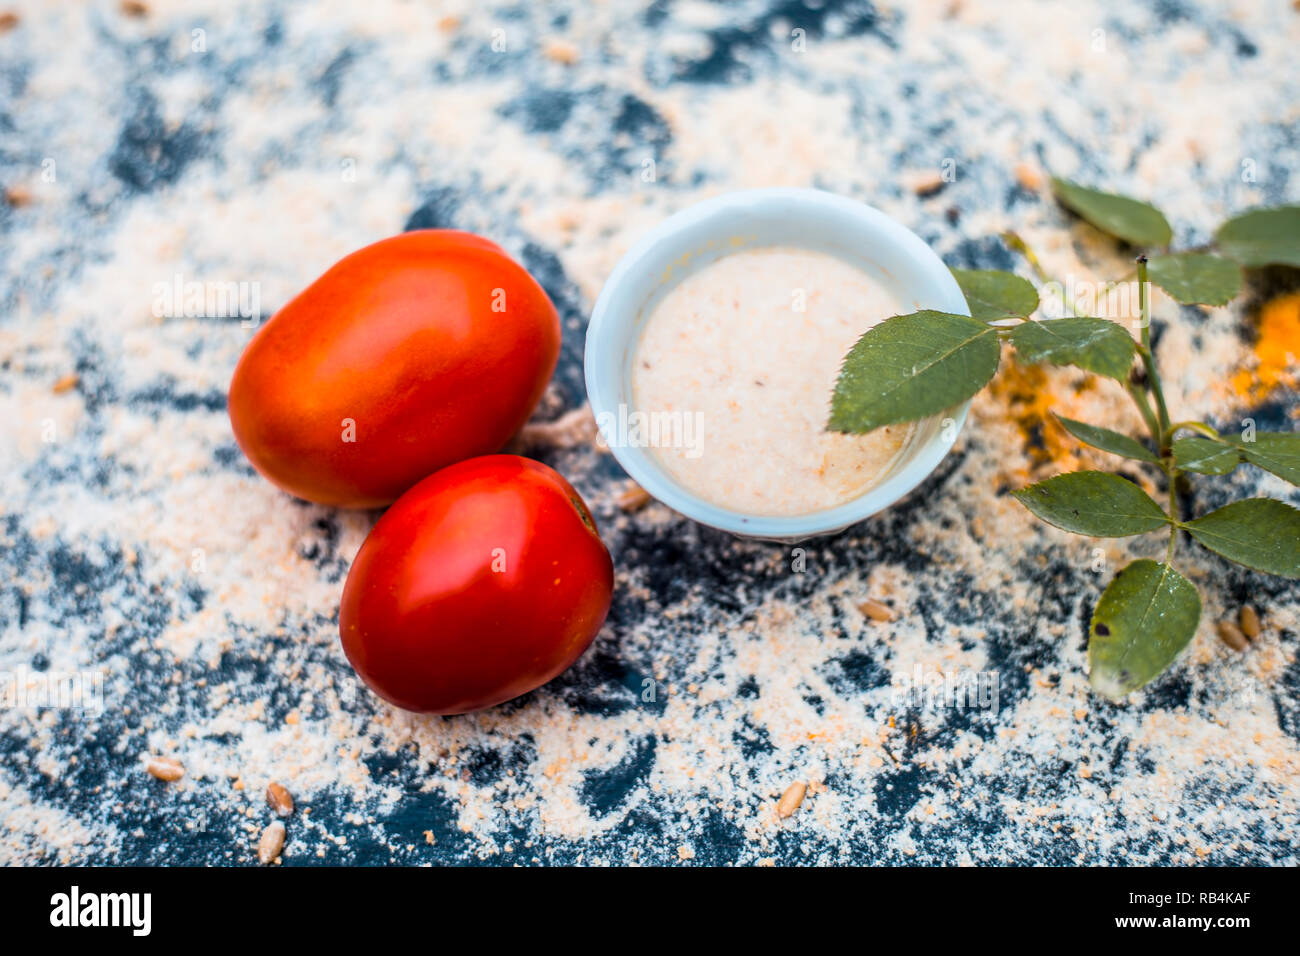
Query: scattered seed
(561, 52)
(272, 842)
(633, 498)
(926, 184)
(1028, 177)
(1231, 635)
(279, 799)
(134, 8)
(65, 384)
(165, 768)
(876, 611)
(1248, 618)
(791, 799)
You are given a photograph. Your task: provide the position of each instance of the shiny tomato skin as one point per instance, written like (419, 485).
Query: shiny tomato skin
(435, 346)
(483, 582)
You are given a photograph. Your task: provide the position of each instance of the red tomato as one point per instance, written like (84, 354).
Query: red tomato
(483, 582)
(404, 357)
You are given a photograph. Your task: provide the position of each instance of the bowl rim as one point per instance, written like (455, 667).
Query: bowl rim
(603, 364)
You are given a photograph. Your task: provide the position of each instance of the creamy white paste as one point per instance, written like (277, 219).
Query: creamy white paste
(747, 350)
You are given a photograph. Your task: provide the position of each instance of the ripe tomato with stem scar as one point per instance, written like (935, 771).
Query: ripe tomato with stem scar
(483, 582)
(404, 357)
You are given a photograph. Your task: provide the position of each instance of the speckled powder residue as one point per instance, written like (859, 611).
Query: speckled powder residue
(258, 143)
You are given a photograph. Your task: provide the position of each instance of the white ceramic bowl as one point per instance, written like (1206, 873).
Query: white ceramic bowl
(804, 218)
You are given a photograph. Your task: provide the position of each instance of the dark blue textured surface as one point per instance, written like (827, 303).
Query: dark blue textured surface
(225, 165)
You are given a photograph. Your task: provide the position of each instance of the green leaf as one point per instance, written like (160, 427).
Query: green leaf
(1138, 223)
(1107, 440)
(1094, 503)
(1278, 453)
(1261, 533)
(996, 295)
(1146, 616)
(1275, 452)
(1193, 277)
(1094, 344)
(1262, 237)
(1205, 456)
(910, 367)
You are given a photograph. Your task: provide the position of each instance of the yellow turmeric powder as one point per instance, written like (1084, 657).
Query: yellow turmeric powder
(1277, 351)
